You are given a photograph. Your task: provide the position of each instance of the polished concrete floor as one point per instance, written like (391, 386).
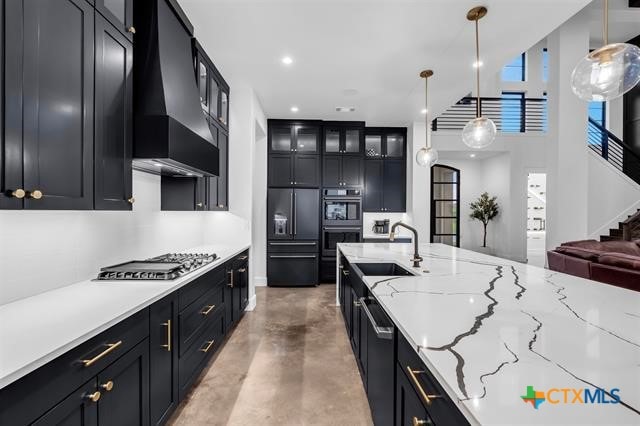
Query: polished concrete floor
(288, 362)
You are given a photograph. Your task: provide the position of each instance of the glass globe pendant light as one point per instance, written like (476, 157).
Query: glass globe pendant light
(607, 72)
(427, 156)
(481, 131)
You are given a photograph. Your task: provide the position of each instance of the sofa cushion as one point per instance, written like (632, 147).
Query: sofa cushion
(582, 253)
(626, 247)
(620, 260)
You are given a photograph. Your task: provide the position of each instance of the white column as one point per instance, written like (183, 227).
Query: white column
(567, 181)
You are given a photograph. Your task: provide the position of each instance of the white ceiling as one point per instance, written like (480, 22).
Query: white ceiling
(375, 48)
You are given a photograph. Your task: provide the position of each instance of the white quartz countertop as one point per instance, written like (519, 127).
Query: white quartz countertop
(36, 330)
(488, 328)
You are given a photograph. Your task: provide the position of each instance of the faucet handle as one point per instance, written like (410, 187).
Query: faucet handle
(392, 236)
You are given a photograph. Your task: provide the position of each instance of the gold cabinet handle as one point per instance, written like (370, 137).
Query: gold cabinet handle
(345, 272)
(417, 422)
(131, 200)
(220, 206)
(207, 309)
(18, 193)
(35, 194)
(357, 304)
(242, 270)
(168, 344)
(230, 284)
(110, 348)
(209, 344)
(131, 30)
(427, 398)
(199, 204)
(107, 386)
(94, 397)
(243, 257)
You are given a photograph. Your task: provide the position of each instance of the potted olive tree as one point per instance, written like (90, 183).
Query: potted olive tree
(485, 209)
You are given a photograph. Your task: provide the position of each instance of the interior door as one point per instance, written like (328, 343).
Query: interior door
(280, 214)
(306, 204)
(58, 80)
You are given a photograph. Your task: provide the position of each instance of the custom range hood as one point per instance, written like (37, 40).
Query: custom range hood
(172, 136)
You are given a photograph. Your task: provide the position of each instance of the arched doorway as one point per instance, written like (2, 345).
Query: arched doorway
(445, 205)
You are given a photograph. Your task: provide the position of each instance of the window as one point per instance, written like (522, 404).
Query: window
(545, 64)
(597, 112)
(511, 114)
(445, 205)
(514, 70)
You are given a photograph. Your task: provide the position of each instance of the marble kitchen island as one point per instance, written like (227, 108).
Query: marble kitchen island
(487, 328)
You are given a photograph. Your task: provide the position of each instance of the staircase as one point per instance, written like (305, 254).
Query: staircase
(624, 159)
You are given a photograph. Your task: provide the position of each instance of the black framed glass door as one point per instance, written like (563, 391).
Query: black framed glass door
(445, 205)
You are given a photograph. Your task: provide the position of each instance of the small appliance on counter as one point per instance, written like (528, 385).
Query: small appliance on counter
(166, 267)
(381, 226)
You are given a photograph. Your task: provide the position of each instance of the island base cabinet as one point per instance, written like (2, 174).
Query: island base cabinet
(409, 408)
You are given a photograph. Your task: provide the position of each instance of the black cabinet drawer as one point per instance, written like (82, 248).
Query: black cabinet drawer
(441, 408)
(31, 396)
(292, 247)
(195, 289)
(292, 269)
(195, 358)
(196, 315)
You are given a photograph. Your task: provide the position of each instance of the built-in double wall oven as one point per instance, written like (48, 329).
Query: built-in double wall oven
(332, 235)
(341, 219)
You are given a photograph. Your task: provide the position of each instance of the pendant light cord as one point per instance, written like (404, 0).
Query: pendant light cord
(605, 26)
(426, 107)
(478, 71)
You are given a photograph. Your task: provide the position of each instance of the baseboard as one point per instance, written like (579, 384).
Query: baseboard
(252, 304)
(260, 281)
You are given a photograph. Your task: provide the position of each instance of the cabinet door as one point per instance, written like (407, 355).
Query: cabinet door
(280, 170)
(373, 146)
(306, 170)
(394, 186)
(331, 170)
(306, 220)
(352, 141)
(279, 214)
(163, 359)
(394, 145)
(224, 107)
(235, 294)
(307, 139)
(281, 139)
(223, 177)
(373, 185)
(119, 13)
(78, 409)
(125, 389)
(294, 269)
(201, 194)
(355, 325)
(178, 193)
(348, 302)
(243, 283)
(113, 118)
(409, 408)
(228, 298)
(57, 82)
(214, 97)
(352, 171)
(332, 141)
(202, 70)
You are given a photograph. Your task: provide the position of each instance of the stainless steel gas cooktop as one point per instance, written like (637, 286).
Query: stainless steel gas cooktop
(166, 267)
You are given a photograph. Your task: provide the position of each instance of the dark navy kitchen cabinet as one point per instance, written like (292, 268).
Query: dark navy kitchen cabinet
(342, 171)
(344, 137)
(183, 193)
(294, 159)
(113, 118)
(385, 170)
(78, 409)
(119, 13)
(49, 78)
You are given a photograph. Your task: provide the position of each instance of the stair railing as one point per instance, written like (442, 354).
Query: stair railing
(617, 153)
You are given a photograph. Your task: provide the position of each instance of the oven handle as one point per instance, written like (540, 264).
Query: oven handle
(308, 256)
(343, 199)
(329, 228)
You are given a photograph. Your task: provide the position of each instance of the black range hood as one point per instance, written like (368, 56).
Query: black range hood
(172, 136)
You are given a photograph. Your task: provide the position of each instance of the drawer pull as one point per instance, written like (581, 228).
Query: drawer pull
(345, 272)
(94, 397)
(208, 309)
(168, 344)
(230, 283)
(110, 348)
(242, 270)
(243, 257)
(107, 386)
(206, 348)
(426, 398)
(356, 304)
(417, 422)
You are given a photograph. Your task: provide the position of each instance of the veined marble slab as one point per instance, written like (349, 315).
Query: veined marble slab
(488, 328)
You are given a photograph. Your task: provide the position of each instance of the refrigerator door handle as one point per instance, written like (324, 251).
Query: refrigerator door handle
(295, 214)
(290, 211)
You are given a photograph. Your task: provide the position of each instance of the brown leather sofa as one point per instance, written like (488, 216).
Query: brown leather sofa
(611, 262)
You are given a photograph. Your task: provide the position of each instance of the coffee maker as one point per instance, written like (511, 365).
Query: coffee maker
(381, 226)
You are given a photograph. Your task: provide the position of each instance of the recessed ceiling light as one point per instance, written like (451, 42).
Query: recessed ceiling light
(287, 60)
(475, 64)
(472, 155)
(294, 109)
(423, 111)
(345, 109)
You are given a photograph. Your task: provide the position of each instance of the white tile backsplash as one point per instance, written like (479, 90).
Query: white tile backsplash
(43, 250)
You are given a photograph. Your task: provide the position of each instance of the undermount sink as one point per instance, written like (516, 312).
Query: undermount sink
(382, 269)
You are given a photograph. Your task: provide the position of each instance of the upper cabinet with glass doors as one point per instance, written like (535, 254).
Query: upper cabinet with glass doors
(119, 13)
(344, 138)
(213, 89)
(294, 138)
(385, 142)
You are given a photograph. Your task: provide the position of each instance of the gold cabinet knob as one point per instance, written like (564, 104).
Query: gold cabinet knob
(35, 194)
(94, 397)
(107, 386)
(18, 193)
(199, 204)
(220, 205)
(417, 422)
(131, 30)
(131, 200)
